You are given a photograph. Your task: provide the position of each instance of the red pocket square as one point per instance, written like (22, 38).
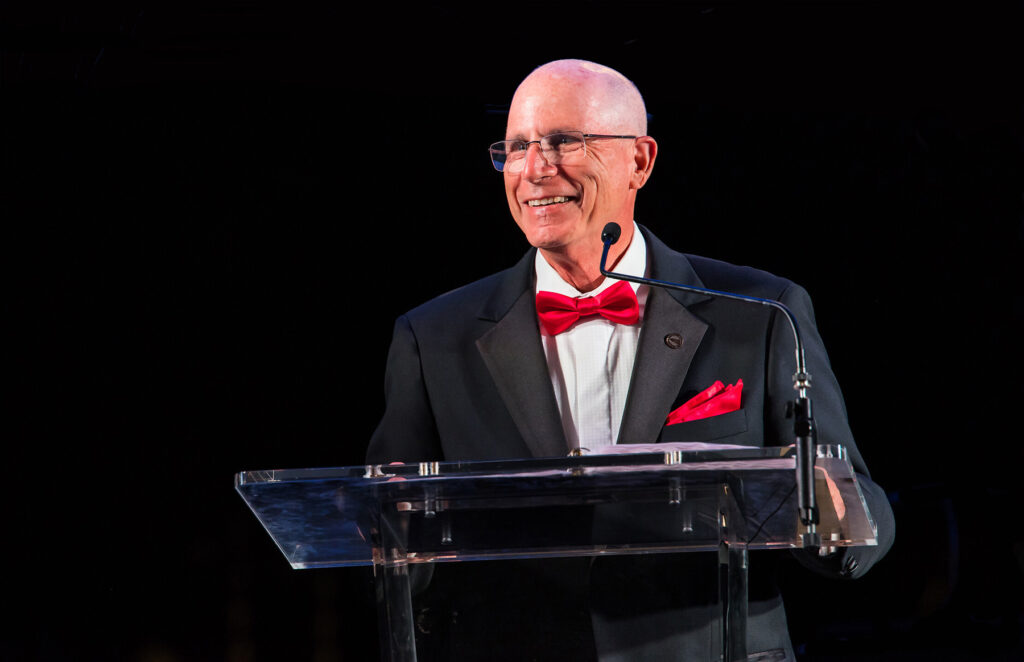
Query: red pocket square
(716, 399)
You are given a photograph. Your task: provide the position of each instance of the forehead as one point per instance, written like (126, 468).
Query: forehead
(549, 104)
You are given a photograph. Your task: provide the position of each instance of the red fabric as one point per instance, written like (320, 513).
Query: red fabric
(558, 312)
(716, 399)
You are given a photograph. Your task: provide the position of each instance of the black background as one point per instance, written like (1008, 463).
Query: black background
(213, 213)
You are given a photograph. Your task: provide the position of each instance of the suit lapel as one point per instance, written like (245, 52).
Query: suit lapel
(662, 361)
(512, 352)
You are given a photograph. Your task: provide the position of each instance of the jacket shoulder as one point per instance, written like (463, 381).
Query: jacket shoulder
(487, 298)
(719, 275)
(671, 265)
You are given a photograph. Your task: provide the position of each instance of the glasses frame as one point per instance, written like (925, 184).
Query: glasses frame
(492, 149)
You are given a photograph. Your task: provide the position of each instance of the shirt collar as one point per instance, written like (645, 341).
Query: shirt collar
(633, 261)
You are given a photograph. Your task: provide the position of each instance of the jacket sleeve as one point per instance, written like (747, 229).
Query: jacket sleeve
(407, 432)
(829, 411)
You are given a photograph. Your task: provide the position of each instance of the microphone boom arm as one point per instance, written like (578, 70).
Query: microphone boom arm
(804, 430)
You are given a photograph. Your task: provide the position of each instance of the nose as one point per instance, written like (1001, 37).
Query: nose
(535, 164)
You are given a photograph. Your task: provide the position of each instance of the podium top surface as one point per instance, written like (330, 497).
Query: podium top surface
(646, 502)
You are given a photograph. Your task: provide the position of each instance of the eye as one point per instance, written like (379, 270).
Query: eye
(512, 146)
(564, 142)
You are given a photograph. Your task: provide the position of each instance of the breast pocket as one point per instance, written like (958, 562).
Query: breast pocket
(713, 428)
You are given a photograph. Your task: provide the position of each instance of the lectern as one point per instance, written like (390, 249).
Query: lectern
(722, 502)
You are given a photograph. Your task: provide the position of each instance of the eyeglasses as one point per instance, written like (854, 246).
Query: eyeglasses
(558, 148)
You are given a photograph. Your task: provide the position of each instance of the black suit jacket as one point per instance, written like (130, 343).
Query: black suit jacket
(467, 380)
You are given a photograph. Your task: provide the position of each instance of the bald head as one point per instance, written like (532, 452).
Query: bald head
(562, 199)
(609, 102)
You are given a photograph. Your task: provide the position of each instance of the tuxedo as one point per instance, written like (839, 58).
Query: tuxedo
(467, 380)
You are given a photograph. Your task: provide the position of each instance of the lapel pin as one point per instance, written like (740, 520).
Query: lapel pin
(674, 341)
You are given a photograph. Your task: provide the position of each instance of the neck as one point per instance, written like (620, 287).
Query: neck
(580, 266)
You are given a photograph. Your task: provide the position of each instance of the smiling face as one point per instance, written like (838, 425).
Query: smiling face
(561, 208)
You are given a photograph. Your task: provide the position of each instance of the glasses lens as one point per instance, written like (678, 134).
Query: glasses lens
(558, 145)
(498, 159)
(515, 154)
(499, 155)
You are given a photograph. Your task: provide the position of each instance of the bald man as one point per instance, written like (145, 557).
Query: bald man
(594, 185)
(492, 371)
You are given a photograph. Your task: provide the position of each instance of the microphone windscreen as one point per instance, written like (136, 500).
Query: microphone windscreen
(611, 233)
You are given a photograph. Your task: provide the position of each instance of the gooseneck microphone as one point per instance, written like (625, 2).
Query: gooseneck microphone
(805, 433)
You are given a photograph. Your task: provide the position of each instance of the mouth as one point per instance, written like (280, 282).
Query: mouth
(554, 200)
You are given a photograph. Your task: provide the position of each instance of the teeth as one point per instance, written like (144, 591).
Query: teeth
(548, 201)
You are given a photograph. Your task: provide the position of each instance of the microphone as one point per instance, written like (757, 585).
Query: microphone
(803, 421)
(609, 236)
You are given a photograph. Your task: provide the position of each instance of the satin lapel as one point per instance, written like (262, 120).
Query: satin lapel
(659, 370)
(515, 358)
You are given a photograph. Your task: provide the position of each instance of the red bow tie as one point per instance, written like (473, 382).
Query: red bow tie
(558, 312)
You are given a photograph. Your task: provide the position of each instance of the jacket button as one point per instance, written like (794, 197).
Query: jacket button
(674, 341)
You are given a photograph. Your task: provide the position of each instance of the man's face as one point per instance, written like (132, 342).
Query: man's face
(559, 206)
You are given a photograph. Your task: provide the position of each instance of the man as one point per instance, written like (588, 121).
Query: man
(493, 371)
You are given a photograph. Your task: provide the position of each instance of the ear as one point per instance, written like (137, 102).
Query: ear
(644, 153)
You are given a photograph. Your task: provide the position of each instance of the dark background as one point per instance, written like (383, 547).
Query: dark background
(199, 200)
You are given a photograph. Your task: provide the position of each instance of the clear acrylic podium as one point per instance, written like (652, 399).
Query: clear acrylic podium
(724, 502)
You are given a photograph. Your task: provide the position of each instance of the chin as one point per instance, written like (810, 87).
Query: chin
(549, 234)
(547, 238)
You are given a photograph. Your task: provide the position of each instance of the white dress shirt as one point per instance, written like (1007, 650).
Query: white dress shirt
(591, 363)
